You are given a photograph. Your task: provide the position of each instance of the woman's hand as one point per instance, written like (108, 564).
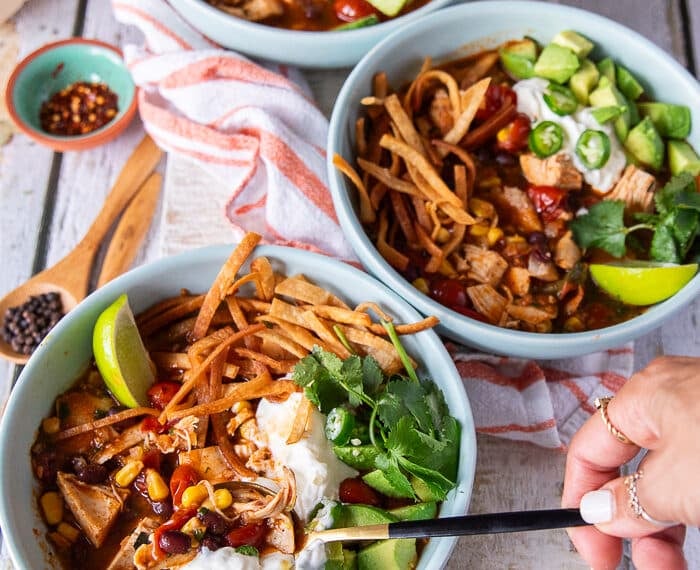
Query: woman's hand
(657, 409)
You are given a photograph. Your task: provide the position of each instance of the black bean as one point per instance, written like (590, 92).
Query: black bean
(163, 508)
(174, 542)
(79, 552)
(92, 473)
(214, 522)
(212, 542)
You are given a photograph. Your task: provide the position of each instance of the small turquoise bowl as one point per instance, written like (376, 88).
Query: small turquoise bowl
(58, 65)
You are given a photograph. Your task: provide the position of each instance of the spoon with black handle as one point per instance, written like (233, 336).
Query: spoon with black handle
(455, 526)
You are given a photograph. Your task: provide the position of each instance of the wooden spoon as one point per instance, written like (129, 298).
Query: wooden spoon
(71, 275)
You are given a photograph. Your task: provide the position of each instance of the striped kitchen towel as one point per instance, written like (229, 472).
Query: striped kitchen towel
(253, 130)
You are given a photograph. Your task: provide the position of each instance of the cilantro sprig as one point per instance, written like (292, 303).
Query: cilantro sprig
(409, 425)
(674, 224)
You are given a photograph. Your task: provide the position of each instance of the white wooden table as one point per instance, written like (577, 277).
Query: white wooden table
(48, 200)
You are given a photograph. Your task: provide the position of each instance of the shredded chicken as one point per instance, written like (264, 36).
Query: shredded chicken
(515, 206)
(517, 279)
(441, 112)
(556, 170)
(485, 266)
(566, 252)
(636, 189)
(183, 435)
(487, 301)
(541, 268)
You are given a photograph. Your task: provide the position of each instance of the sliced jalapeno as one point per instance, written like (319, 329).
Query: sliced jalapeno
(339, 425)
(593, 148)
(546, 139)
(561, 100)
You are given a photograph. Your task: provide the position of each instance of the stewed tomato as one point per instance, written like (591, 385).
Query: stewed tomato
(514, 136)
(351, 10)
(497, 95)
(162, 392)
(249, 534)
(357, 491)
(184, 476)
(448, 292)
(549, 201)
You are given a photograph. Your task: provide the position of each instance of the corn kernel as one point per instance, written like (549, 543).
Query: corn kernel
(490, 182)
(442, 236)
(493, 235)
(223, 499)
(51, 425)
(157, 489)
(194, 495)
(126, 475)
(502, 135)
(194, 528)
(481, 208)
(479, 230)
(68, 531)
(573, 324)
(422, 285)
(447, 269)
(59, 541)
(52, 507)
(515, 239)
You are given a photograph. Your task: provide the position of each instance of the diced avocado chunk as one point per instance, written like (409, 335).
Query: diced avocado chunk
(683, 158)
(422, 490)
(526, 48)
(360, 457)
(556, 63)
(518, 58)
(645, 144)
(606, 67)
(607, 95)
(584, 80)
(388, 555)
(359, 515)
(370, 20)
(334, 556)
(605, 114)
(628, 84)
(350, 559)
(378, 480)
(417, 512)
(388, 7)
(575, 42)
(672, 121)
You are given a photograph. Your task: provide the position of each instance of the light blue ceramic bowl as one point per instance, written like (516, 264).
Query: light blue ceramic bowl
(304, 49)
(67, 350)
(468, 28)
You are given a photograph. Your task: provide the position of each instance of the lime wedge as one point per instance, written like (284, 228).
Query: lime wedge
(120, 354)
(640, 282)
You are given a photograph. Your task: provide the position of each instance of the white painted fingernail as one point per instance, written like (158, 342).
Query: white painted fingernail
(597, 506)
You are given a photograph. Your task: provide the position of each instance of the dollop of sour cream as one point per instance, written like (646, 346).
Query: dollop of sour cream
(532, 104)
(317, 470)
(313, 555)
(228, 559)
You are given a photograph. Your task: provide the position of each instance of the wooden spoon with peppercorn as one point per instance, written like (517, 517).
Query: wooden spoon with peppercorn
(30, 310)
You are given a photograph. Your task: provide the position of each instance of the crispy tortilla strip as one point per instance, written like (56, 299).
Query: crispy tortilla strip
(360, 137)
(108, 421)
(403, 124)
(191, 381)
(345, 316)
(282, 341)
(299, 288)
(382, 350)
(385, 176)
(198, 350)
(377, 194)
(226, 275)
(402, 216)
(380, 84)
(371, 100)
(254, 306)
(175, 313)
(237, 314)
(432, 184)
(375, 308)
(471, 101)
(460, 153)
(394, 257)
(479, 67)
(162, 306)
(268, 361)
(179, 360)
(448, 81)
(251, 277)
(266, 283)
(301, 418)
(367, 213)
(410, 328)
(297, 333)
(436, 254)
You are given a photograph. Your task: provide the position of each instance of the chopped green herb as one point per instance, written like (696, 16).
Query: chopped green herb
(202, 511)
(675, 223)
(199, 534)
(247, 550)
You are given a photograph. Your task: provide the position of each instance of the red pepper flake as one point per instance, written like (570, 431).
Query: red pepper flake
(78, 109)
